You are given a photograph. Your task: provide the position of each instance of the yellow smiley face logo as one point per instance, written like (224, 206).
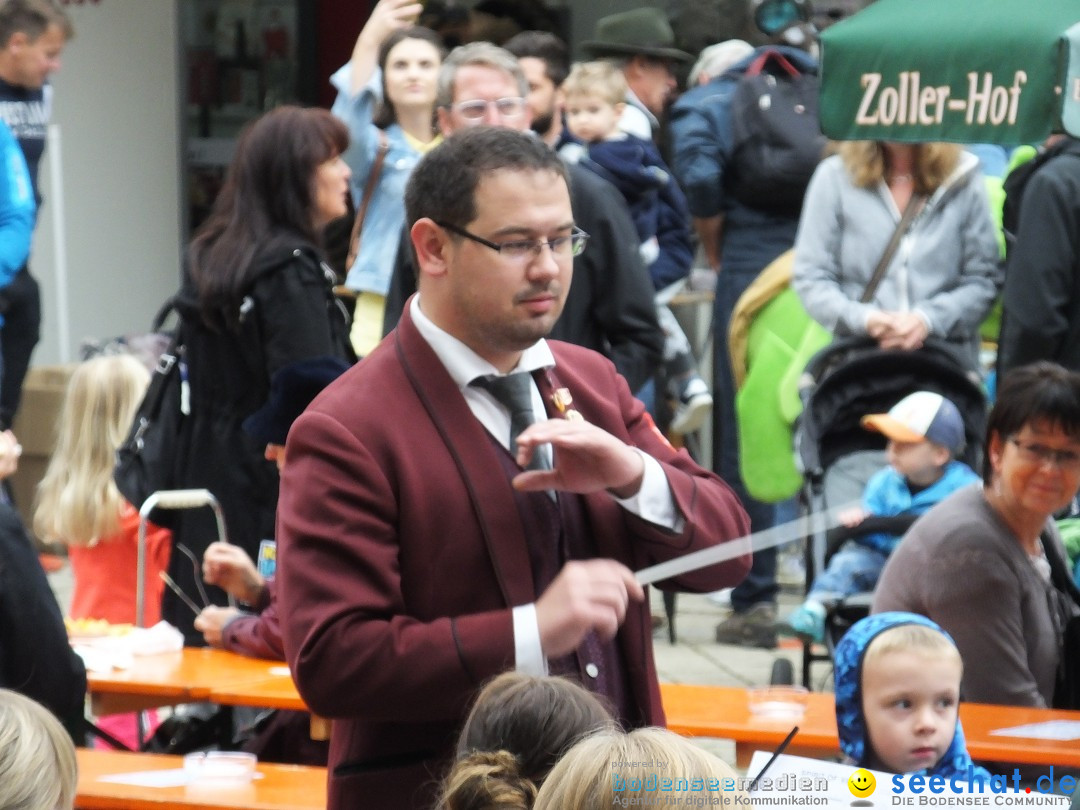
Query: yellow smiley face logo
(861, 783)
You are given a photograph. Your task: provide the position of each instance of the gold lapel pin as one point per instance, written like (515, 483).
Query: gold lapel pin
(563, 400)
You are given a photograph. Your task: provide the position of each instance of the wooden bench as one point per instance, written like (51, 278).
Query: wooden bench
(723, 712)
(282, 787)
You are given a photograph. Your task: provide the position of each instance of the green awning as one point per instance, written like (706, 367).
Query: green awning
(971, 71)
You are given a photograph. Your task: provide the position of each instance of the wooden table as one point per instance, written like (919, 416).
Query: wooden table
(274, 693)
(722, 711)
(216, 676)
(187, 676)
(198, 674)
(283, 787)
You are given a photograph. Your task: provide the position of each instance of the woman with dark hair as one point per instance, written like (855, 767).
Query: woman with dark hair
(257, 296)
(987, 563)
(386, 96)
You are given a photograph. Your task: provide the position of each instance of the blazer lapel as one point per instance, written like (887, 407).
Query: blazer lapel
(489, 492)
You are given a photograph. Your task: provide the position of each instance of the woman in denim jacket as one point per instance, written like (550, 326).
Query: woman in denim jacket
(386, 97)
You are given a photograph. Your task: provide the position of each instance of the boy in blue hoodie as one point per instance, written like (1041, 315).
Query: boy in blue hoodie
(897, 682)
(925, 433)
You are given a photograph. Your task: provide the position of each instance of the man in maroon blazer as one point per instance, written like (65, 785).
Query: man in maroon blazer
(420, 552)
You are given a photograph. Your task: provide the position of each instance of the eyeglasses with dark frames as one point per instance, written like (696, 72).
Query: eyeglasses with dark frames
(562, 247)
(1035, 453)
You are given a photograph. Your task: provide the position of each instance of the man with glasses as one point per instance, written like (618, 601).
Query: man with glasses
(473, 498)
(640, 44)
(610, 307)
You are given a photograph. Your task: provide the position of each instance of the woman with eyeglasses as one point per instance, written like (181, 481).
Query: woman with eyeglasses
(987, 563)
(386, 97)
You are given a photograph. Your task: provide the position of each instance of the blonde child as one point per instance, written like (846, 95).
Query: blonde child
(37, 758)
(898, 696)
(78, 503)
(616, 768)
(594, 94)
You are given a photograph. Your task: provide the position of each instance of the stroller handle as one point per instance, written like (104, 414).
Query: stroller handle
(170, 499)
(178, 499)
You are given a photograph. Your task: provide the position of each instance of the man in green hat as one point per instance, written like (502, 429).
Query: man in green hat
(641, 43)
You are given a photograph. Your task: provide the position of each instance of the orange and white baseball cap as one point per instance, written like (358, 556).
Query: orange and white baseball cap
(922, 416)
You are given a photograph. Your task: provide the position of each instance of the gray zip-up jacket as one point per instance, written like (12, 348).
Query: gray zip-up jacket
(947, 267)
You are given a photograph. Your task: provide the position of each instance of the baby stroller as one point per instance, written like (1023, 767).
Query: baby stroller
(842, 383)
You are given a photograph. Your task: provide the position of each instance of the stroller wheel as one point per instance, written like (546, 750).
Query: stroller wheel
(783, 673)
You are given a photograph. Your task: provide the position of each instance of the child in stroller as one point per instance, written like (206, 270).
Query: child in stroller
(840, 385)
(925, 433)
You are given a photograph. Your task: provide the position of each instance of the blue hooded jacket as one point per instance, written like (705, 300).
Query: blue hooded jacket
(850, 722)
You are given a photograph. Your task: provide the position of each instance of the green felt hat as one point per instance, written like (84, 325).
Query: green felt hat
(641, 31)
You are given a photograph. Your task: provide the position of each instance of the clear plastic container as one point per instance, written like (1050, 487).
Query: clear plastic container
(778, 703)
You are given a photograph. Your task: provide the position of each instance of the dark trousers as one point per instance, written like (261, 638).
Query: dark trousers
(18, 337)
(760, 584)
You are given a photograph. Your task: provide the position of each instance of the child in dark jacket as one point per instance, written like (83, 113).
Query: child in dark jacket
(594, 95)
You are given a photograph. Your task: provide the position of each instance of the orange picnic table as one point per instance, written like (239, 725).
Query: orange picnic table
(281, 787)
(723, 712)
(216, 676)
(186, 676)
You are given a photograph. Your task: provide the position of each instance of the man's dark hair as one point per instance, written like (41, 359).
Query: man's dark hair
(546, 47)
(1041, 392)
(443, 185)
(32, 17)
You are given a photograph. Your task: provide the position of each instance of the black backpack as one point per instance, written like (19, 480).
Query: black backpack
(776, 139)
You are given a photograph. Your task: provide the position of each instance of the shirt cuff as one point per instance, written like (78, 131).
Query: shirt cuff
(528, 654)
(654, 502)
(925, 320)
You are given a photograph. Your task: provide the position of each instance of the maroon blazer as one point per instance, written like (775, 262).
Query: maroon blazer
(403, 553)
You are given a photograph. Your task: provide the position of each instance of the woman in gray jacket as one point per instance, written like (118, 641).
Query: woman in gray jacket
(946, 271)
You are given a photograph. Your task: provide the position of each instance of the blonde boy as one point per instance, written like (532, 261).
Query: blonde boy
(898, 695)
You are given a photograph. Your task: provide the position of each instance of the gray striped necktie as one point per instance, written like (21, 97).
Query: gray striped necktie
(514, 392)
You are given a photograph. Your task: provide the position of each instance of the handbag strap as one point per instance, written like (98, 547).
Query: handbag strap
(1060, 574)
(911, 210)
(369, 192)
(758, 65)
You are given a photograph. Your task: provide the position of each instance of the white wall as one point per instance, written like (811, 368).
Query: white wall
(108, 243)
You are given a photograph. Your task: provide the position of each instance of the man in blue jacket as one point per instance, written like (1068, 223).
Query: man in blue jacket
(17, 208)
(32, 36)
